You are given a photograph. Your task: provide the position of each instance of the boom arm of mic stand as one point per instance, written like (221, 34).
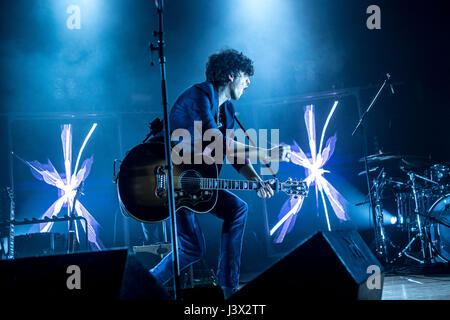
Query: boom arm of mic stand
(368, 108)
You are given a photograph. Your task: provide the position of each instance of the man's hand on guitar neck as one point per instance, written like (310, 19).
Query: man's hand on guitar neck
(265, 190)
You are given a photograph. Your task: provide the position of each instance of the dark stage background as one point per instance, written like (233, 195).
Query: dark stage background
(51, 75)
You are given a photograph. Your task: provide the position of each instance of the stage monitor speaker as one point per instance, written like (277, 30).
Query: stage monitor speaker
(328, 265)
(110, 275)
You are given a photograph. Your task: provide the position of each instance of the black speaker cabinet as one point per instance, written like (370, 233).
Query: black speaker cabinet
(328, 265)
(110, 275)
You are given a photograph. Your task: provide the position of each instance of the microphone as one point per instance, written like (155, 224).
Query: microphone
(388, 79)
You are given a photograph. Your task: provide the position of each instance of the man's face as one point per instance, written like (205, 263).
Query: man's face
(238, 84)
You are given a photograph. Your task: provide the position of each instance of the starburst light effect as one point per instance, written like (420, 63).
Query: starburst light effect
(67, 185)
(315, 176)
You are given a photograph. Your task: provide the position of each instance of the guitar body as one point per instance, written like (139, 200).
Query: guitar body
(142, 184)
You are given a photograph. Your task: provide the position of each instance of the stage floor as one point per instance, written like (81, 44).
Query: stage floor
(417, 287)
(429, 282)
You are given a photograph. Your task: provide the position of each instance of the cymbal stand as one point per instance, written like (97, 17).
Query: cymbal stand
(421, 234)
(412, 177)
(378, 185)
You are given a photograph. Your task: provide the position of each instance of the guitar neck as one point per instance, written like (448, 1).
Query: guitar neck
(226, 184)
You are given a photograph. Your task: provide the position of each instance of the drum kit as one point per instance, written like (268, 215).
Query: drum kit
(415, 193)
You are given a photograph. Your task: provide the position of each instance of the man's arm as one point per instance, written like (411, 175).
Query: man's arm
(234, 149)
(239, 150)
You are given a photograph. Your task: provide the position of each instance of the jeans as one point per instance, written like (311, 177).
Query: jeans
(191, 243)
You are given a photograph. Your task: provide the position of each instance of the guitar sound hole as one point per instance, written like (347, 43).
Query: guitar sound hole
(190, 181)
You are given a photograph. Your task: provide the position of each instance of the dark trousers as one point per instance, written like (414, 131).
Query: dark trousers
(191, 243)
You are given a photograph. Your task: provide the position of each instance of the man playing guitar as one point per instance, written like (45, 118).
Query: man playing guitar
(227, 77)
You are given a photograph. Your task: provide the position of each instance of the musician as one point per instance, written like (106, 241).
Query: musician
(228, 75)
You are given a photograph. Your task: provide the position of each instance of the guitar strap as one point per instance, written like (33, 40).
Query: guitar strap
(156, 126)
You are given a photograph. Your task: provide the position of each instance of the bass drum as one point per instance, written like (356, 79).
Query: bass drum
(439, 232)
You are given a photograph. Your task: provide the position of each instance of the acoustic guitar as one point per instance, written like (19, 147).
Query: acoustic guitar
(142, 184)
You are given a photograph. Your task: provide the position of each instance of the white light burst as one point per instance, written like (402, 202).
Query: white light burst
(67, 185)
(315, 175)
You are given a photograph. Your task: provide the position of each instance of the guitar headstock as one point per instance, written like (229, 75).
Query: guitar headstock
(294, 188)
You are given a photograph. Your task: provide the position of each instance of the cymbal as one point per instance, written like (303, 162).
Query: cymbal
(416, 161)
(370, 170)
(378, 157)
(410, 161)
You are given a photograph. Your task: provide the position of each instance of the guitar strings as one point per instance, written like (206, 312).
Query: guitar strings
(216, 186)
(197, 179)
(218, 181)
(194, 179)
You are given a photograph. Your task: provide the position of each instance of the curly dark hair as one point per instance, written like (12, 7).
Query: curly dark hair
(224, 63)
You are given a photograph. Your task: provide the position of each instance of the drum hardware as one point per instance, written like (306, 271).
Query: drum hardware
(412, 177)
(375, 183)
(428, 235)
(423, 207)
(439, 171)
(378, 186)
(441, 189)
(424, 224)
(419, 176)
(396, 183)
(419, 231)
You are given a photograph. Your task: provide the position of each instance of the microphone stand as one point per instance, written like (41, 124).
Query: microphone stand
(167, 144)
(388, 79)
(377, 217)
